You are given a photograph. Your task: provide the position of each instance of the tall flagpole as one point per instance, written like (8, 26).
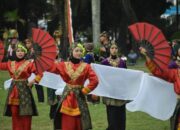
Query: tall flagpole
(69, 23)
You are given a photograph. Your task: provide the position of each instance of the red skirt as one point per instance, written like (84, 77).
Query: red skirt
(20, 122)
(71, 122)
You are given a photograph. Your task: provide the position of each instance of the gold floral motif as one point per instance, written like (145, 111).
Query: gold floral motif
(114, 62)
(74, 74)
(20, 69)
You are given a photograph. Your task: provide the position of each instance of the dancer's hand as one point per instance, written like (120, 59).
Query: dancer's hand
(85, 90)
(143, 51)
(30, 84)
(95, 97)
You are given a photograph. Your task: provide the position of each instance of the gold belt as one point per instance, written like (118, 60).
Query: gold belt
(19, 80)
(73, 86)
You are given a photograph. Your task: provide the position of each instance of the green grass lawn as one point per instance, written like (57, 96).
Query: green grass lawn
(135, 120)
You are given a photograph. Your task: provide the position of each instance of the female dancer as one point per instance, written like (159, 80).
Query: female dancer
(72, 112)
(171, 75)
(116, 113)
(20, 103)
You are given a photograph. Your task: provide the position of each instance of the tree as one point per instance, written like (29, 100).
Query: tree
(13, 17)
(129, 11)
(82, 16)
(21, 11)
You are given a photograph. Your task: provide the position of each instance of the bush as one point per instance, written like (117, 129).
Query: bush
(176, 35)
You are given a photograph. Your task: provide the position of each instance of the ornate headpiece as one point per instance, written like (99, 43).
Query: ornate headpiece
(56, 34)
(113, 44)
(19, 45)
(13, 33)
(104, 34)
(80, 46)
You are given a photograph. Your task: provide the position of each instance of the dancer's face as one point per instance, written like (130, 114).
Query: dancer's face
(28, 44)
(20, 53)
(77, 53)
(113, 50)
(103, 40)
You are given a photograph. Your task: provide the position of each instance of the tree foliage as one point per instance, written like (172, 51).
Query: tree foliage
(18, 12)
(116, 15)
(146, 9)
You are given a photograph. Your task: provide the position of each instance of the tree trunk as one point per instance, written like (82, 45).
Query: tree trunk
(129, 11)
(128, 17)
(95, 4)
(59, 22)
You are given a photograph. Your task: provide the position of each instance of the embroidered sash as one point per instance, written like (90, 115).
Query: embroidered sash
(19, 70)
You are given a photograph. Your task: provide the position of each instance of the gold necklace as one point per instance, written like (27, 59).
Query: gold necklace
(114, 62)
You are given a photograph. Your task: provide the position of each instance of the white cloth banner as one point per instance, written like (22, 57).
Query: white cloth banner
(7, 84)
(53, 81)
(156, 97)
(117, 83)
(149, 94)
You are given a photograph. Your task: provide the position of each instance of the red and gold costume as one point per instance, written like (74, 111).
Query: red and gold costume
(173, 76)
(20, 103)
(73, 107)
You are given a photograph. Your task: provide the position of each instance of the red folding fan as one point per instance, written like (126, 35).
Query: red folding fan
(153, 40)
(44, 49)
(1, 51)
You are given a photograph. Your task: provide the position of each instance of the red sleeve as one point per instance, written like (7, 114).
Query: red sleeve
(93, 80)
(170, 75)
(4, 66)
(166, 74)
(54, 68)
(32, 69)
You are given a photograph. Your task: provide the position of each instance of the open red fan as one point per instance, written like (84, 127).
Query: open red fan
(1, 51)
(44, 49)
(153, 40)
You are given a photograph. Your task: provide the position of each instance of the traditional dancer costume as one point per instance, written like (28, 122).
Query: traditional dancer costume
(20, 103)
(72, 112)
